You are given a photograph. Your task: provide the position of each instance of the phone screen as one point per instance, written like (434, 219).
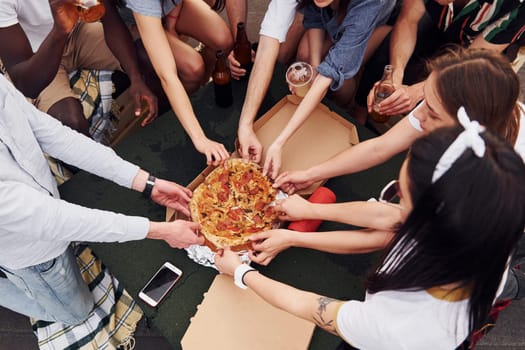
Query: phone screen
(161, 283)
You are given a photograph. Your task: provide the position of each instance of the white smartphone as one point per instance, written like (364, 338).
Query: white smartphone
(160, 284)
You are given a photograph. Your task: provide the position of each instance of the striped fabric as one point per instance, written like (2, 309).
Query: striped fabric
(498, 21)
(111, 323)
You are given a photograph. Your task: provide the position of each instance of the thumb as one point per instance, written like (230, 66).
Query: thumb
(138, 107)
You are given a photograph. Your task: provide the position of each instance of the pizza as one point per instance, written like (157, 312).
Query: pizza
(232, 203)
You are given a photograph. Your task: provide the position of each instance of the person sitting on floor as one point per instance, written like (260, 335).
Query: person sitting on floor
(43, 280)
(41, 42)
(422, 28)
(462, 198)
(181, 69)
(337, 35)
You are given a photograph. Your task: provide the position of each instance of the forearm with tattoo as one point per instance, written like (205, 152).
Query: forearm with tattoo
(322, 318)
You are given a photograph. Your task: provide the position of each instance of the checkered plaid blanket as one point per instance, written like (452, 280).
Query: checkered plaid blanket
(111, 323)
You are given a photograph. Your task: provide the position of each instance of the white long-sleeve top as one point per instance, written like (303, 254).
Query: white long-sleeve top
(35, 224)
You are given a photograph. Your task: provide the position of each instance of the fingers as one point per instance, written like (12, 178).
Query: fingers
(260, 258)
(276, 165)
(194, 226)
(235, 67)
(370, 98)
(267, 166)
(259, 236)
(181, 208)
(282, 179)
(153, 108)
(138, 107)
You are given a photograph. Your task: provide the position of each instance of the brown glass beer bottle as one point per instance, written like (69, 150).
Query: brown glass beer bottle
(222, 85)
(243, 49)
(384, 89)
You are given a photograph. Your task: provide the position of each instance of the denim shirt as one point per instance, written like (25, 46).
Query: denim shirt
(350, 38)
(36, 225)
(152, 8)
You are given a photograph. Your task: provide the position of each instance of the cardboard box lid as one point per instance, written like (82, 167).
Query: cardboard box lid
(323, 135)
(236, 319)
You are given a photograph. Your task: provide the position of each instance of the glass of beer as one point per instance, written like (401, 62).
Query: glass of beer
(91, 10)
(299, 76)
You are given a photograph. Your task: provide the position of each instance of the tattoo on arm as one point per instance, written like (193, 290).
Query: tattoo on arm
(321, 318)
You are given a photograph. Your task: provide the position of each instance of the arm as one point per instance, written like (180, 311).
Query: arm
(119, 41)
(156, 42)
(32, 72)
(309, 306)
(26, 211)
(480, 43)
(404, 37)
(375, 215)
(380, 217)
(237, 11)
(362, 156)
(402, 44)
(312, 99)
(261, 75)
(267, 245)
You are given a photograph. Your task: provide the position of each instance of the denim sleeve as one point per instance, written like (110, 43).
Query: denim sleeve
(345, 56)
(312, 17)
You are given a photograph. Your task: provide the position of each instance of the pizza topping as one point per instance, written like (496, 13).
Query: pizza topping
(232, 203)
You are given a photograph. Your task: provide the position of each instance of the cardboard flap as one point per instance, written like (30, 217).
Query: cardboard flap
(236, 319)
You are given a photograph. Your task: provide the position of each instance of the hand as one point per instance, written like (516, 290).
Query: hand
(293, 208)
(266, 245)
(178, 233)
(249, 146)
(235, 66)
(402, 100)
(293, 181)
(64, 14)
(272, 164)
(141, 93)
(227, 261)
(215, 152)
(172, 195)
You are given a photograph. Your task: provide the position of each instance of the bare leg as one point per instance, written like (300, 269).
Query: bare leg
(69, 112)
(199, 21)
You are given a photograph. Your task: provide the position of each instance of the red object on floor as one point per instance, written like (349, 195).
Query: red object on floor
(321, 195)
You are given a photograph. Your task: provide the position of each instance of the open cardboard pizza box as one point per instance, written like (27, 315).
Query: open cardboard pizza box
(236, 319)
(323, 135)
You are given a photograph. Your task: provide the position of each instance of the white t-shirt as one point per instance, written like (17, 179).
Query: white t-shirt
(403, 320)
(519, 146)
(34, 16)
(278, 18)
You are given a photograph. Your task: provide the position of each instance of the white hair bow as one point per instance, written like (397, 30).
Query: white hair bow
(469, 138)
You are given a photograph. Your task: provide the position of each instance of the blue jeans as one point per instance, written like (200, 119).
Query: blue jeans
(51, 291)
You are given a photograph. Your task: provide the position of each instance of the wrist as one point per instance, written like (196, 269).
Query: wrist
(148, 188)
(239, 273)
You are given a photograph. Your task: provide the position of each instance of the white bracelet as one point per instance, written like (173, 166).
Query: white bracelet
(239, 273)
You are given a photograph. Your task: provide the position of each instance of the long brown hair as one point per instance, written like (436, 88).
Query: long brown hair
(482, 81)
(340, 12)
